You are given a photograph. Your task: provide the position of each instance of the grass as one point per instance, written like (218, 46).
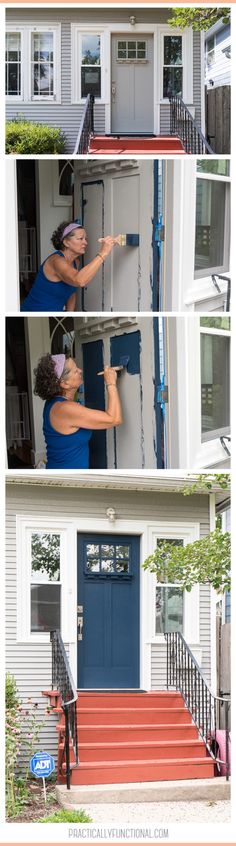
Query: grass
(67, 817)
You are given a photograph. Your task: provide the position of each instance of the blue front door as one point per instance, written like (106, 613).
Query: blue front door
(108, 611)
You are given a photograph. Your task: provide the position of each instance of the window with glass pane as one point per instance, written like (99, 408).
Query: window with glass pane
(45, 581)
(221, 167)
(215, 385)
(210, 225)
(13, 64)
(210, 51)
(91, 65)
(42, 60)
(128, 50)
(172, 70)
(169, 599)
(107, 559)
(169, 609)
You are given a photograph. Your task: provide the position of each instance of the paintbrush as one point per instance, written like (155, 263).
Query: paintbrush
(118, 368)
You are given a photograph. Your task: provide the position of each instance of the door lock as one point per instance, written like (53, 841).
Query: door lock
(113, 91)
(80, 623)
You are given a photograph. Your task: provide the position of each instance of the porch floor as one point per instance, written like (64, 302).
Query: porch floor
(118, 144)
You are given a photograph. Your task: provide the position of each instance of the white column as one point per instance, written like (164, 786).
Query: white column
(12, 253)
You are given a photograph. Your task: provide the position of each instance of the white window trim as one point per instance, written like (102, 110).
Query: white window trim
(17, 98)
(77, 31)
(213, 177)
(24, 529)
(188, 533)
(27, 30)
(147, 531)
(186, 448)
(181, 290)
(187, 62)
(106, 32)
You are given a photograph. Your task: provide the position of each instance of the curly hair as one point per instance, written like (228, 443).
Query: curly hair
(47, 384)
(57, 236)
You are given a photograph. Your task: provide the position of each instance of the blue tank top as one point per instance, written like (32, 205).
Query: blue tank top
(48, 296)
(68, 452)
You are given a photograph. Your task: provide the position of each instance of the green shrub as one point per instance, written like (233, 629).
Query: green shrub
(26, 137)
(67, 817)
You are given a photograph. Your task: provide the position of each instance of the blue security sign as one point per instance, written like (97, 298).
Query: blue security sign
(42, 765)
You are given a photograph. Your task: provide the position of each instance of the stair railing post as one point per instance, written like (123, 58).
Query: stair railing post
(67, 746)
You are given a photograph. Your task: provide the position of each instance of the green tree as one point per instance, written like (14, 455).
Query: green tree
(198, 19)
(206, 561)
(206, 482)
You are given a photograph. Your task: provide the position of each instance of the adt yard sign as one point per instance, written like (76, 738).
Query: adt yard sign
(42, 765)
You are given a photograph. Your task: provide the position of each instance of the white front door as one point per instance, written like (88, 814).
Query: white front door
(132, 84)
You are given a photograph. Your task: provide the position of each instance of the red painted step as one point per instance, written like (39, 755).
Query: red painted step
(133, 733)
(107, 716)
(161, 144)
(141, 750)
(163, 699)
(119, 772)
(132, 736)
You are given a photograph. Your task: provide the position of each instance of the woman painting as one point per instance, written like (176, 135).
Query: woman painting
(59, 277)
(67, 425)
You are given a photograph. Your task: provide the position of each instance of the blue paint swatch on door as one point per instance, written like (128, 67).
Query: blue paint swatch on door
(125, 350)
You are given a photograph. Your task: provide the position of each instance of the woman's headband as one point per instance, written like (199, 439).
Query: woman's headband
(59, 364)
(71, 226)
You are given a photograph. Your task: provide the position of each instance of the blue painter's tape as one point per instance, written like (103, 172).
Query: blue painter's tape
(125, 350)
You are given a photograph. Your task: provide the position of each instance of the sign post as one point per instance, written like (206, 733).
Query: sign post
(42, 765)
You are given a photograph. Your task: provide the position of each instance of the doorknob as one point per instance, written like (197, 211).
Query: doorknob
(80, 623)
(113, 91)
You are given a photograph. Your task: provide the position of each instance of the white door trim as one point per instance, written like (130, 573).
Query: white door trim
(148, 531)
(106, 31)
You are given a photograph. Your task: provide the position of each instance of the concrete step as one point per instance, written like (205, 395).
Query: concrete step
(114, 772)
(138, 716)
(186, 790)
(142, 750)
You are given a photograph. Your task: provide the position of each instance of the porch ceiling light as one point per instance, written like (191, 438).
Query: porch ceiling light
(132, 20)
(111, 514)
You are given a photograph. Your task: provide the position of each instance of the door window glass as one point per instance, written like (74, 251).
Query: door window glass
(107, 559)
(173, 66)
(13, 64)
(131, 50)
(91, 65)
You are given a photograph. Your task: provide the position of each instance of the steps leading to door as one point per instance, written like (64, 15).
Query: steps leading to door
(135, 737)
(159, 144)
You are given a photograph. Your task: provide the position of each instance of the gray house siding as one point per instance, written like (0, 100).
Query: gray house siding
(67, 115)
(31, 663)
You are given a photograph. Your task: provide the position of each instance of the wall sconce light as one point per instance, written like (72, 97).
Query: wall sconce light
(132, 20)
(111, 514)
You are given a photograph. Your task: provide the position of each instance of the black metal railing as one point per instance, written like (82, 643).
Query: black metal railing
(183, 124)
(185, 675)
(86, 129)
(63, 682)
